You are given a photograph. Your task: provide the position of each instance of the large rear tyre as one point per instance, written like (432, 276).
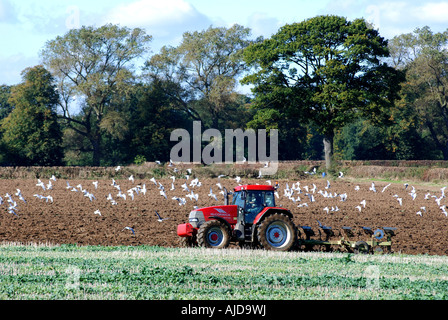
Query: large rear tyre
(213, 234)
(277, 232)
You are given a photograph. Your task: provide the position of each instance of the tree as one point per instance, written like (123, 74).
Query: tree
(423, 55)
(31, 132)
(5, 106)
(94, 66)
(326, 70)
(201, 73)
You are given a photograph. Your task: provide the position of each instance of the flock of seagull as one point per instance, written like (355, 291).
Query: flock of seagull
(300, 195)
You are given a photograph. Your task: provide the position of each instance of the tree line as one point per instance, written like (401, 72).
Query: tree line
(333, 88)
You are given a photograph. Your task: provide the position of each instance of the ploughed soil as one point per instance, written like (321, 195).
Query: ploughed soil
(71, 217)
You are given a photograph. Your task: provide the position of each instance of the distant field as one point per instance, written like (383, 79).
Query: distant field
(143, 272)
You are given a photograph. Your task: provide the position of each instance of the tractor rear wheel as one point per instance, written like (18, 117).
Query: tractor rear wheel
(277, 232)
(213, 234)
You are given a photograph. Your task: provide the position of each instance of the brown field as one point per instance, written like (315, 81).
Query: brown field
(71, 218)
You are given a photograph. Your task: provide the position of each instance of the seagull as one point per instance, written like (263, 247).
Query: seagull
(192, 196)
(363, 202)
(97, 212)
(19, 194)
(131, 178)
(153, 180)
(118, 168)
(359, 208)
(41, 184)
(53, 178)
(341, 174)
(373, 187)
(328, 185)
(211, 194)
(419, 213)
(89, 195)
(121, 195)
(163, 194)
(95, 183)
(159, 218)
(129, 228)
(444, 210)
(143, 189)
(180, 200)
(327, 209)
(384, 189)
(400, 201)
(185, 187)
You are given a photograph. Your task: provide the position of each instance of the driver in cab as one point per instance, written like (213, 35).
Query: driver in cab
(254, 205)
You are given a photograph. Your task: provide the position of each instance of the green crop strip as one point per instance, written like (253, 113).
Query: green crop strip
(71, 272)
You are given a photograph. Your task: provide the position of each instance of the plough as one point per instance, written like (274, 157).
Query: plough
(374, 243)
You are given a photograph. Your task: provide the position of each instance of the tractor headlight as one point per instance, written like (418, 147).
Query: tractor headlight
(196, 218)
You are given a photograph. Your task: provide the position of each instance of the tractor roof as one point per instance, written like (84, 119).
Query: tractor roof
(255, 187)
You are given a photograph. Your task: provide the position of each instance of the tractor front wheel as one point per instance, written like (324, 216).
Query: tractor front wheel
(213, 234)
(277, 232)
(188, 242)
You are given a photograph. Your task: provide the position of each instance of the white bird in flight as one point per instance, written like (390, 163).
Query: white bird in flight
(129, 228)
(159, 218)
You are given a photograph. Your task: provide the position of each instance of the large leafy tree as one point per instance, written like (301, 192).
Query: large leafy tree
(201, 74)
(95, 67)
(423, 55)
(31, 132)
(326, 70)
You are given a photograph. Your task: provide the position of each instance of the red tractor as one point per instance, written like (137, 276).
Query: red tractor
(251, 220)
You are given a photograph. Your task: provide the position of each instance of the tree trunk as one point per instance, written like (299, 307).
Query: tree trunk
(328, 150)
(96, 157)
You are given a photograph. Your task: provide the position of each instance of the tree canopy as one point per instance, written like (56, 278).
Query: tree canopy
(31, 131)
(332, 87)
(94, 65)
(326, 70)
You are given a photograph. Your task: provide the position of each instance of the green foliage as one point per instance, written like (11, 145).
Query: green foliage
(141, 273)
(424, 57)
(95, 64)
(322, 79)
(326, 70)
(31, 133)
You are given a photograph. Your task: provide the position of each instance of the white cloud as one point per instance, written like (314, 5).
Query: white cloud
(8, 13)
(433, 11)
(264, 25)
(12, 66)
(161, 17)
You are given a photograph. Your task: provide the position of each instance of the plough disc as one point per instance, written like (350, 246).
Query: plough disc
(373, 243)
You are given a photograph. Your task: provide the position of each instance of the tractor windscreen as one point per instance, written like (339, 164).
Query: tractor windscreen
(238, 199)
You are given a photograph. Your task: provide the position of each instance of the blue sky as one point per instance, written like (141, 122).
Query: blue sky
(26, 25)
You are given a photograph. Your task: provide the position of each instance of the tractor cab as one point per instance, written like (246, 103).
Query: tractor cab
(252, 199)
